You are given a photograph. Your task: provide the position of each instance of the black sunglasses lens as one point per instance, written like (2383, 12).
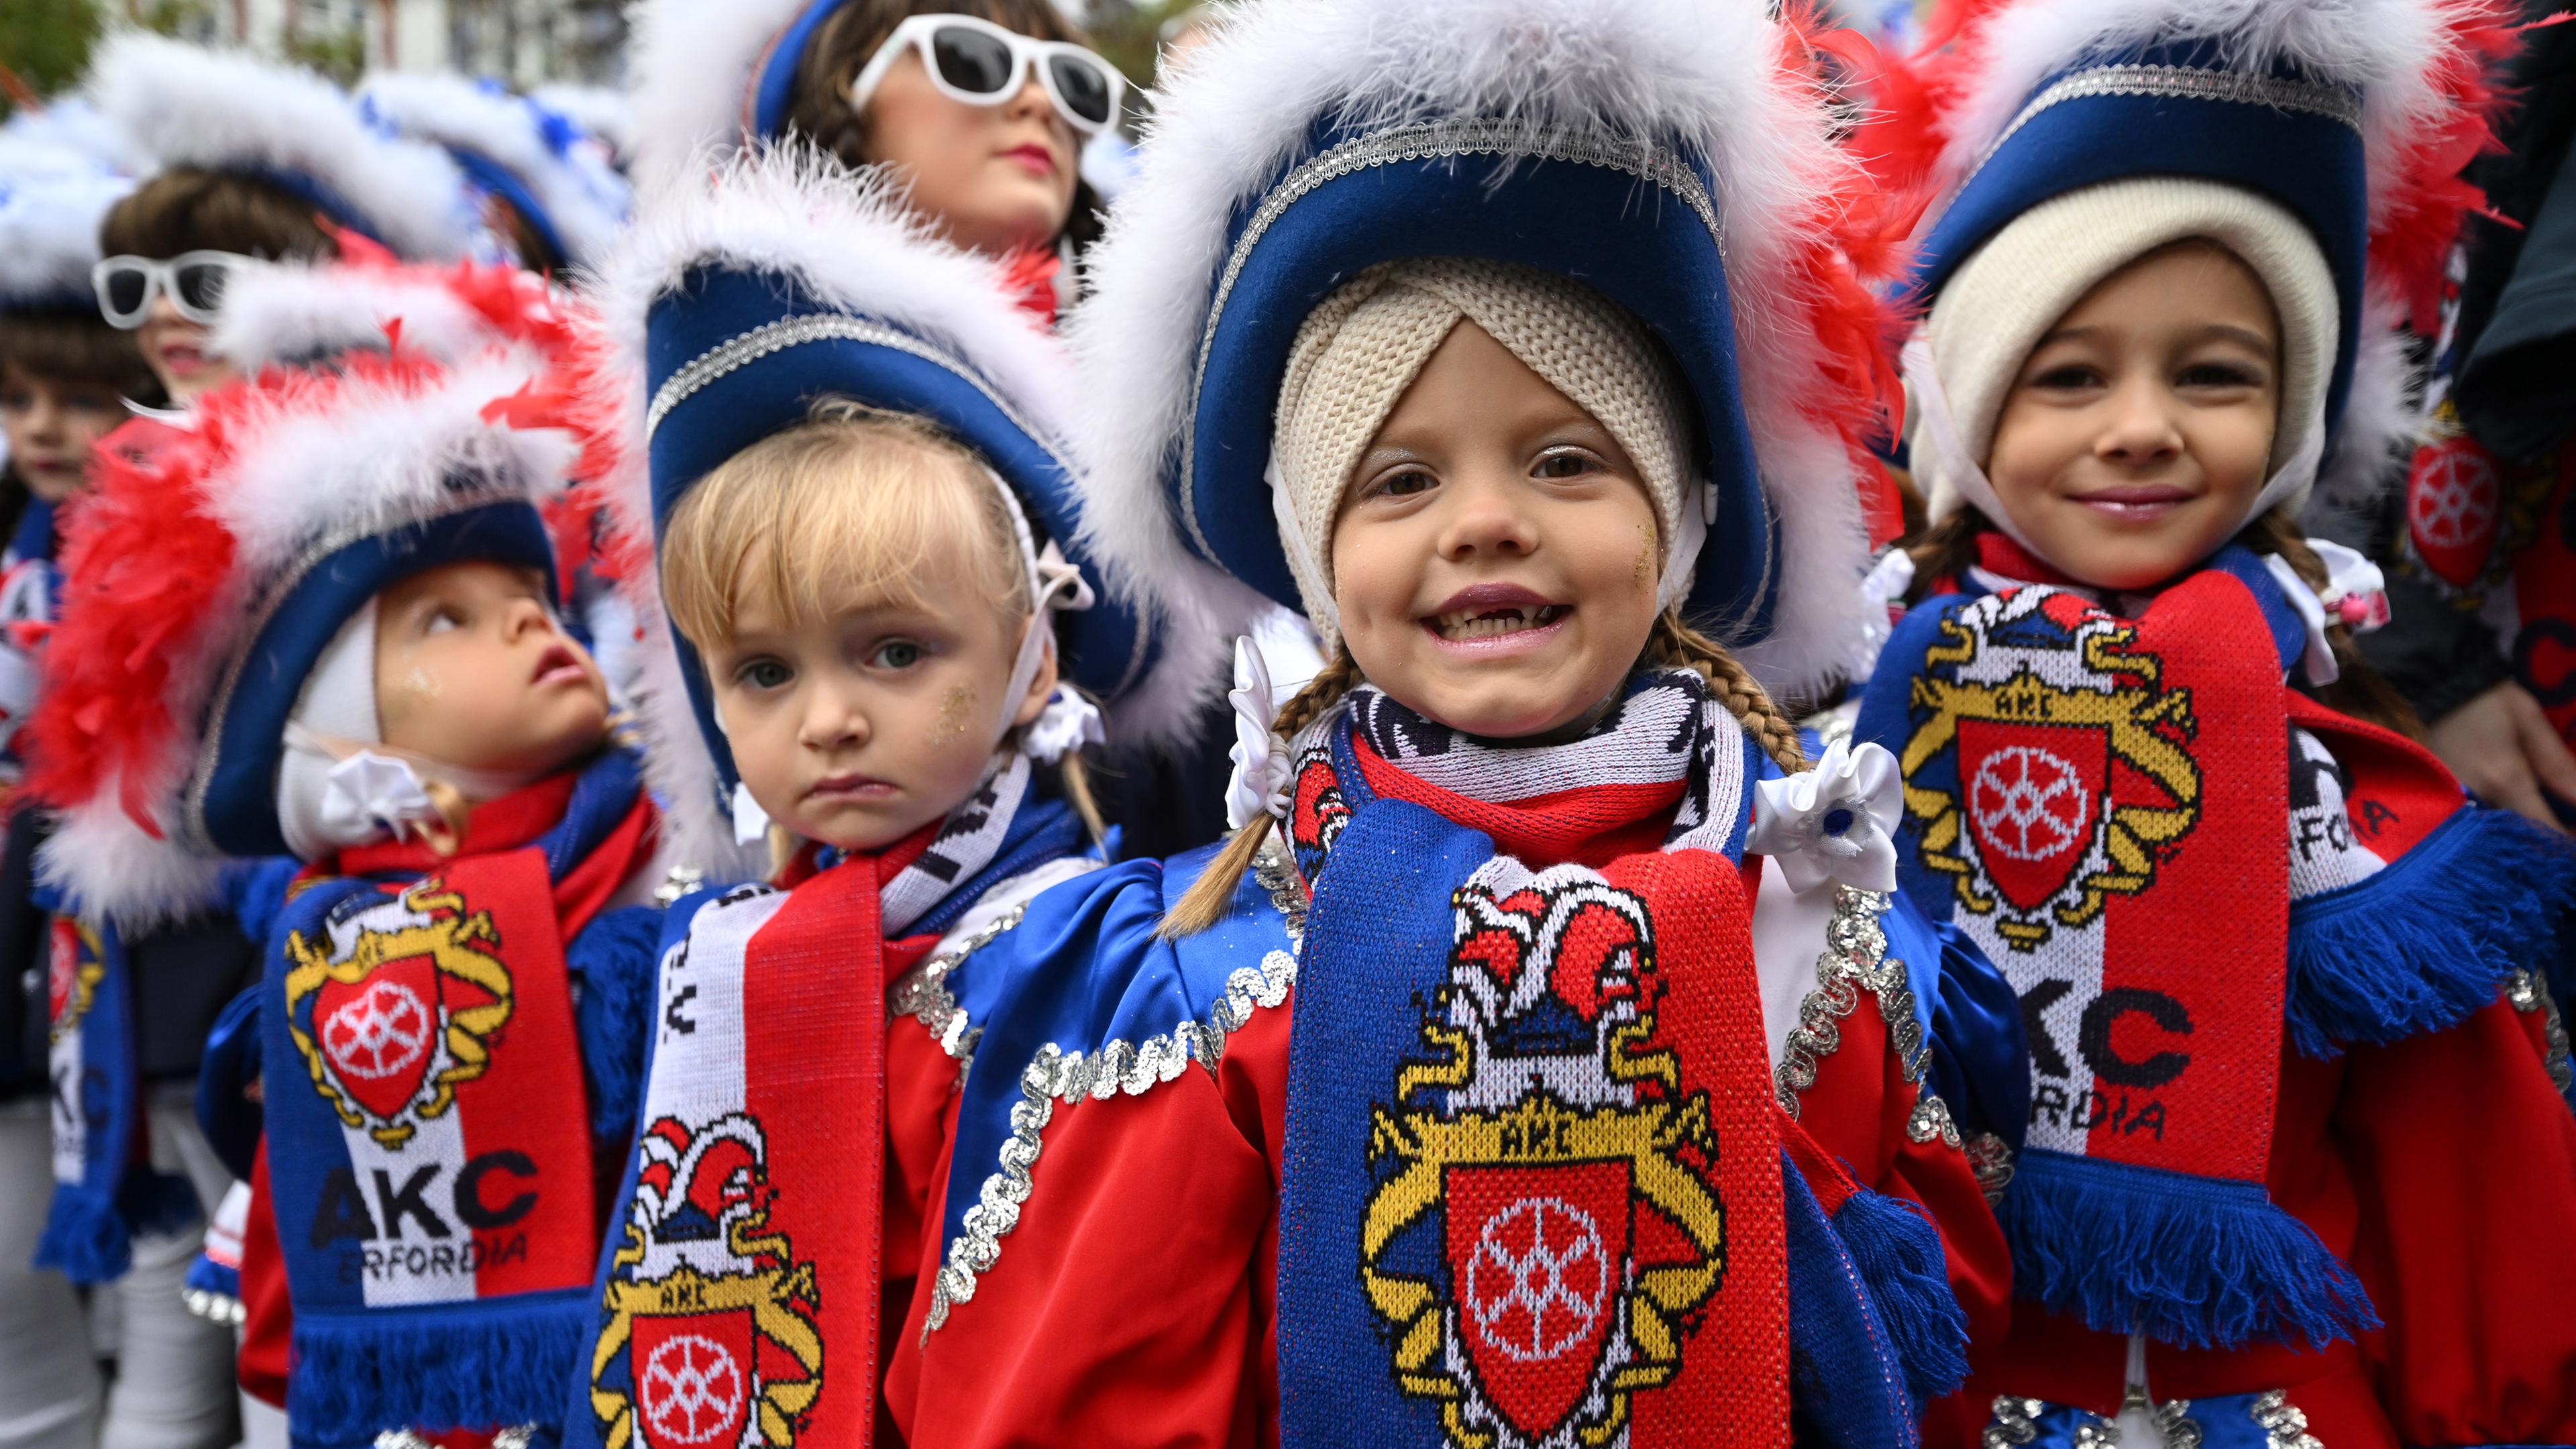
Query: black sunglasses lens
(972, 61)
(1084, 88)
(127, 289)
(201, 285)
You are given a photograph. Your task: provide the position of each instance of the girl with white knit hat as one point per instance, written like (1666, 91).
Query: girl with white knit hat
(1488, 1087)
(2291, 1057)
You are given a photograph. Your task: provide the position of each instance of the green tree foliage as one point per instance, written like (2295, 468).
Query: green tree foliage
(46, 43)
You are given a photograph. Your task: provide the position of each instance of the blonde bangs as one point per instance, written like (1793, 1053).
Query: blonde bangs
(851, 506)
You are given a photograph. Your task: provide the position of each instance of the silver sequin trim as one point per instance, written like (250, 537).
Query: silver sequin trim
(1855, 958)
(1931, 1118)
(1121, 1066)
(213, 1307)
(923, 995)
(1442, 140)
(1990, 1159)
(2528, 994)
(519, 1436)
(2283, 1421)
(2014, 1422)
(681, 881)
(2173, 1420)
(2182, 82)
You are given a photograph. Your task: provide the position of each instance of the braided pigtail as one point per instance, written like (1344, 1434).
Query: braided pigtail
(1205, 902)
(2360, 691)
(1676, 645)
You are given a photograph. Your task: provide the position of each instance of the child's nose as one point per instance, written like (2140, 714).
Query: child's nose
(833, 721)
(1488, 514)
(2143, 426)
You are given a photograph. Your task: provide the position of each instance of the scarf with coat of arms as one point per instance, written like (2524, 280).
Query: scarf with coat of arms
(739, 1298)
(2184, 867)
(429, 1148)
(1535, 1188)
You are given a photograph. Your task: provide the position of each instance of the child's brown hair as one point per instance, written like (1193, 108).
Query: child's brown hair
(841, 48)
(75, 345)
(185, 210)
(1672, 644)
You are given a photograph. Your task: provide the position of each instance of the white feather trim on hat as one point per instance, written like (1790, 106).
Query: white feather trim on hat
(2380, 47)
(849, 239)
(693, 70)
(70, 123)
(307, 466)
(218, 110)
(607, 114)
(51, 203)
(585, 207)
(295, 312)
(1705, 77)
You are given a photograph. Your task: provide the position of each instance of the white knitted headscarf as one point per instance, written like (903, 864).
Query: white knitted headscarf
(1962, 362)
(1362, 347)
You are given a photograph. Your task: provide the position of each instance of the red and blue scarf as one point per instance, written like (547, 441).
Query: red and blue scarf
(1536, 1190)
(429, 1148)
(738, 1301)
(2182, 864)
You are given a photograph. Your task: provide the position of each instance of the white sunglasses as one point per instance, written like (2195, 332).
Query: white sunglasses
(981, 64)
(194, 282)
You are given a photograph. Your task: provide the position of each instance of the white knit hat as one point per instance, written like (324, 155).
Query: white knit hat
(1361, 348)
(2006, 296)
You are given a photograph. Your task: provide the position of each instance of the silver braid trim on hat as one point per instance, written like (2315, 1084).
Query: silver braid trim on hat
(2187, 83)
(1132, 1068)
(1435, 141)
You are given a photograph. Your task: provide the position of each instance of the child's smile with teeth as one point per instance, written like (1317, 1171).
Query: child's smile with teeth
(1485, 553)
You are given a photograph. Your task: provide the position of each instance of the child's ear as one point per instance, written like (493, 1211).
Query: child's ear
(1041, 684)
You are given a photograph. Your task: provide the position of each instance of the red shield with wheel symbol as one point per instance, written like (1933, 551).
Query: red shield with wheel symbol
(1537, 1265)
(379, 1034)
(2454, 507)
(693, 1379)
(2033, 795)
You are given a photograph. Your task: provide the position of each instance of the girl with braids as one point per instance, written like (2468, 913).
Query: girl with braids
(2295, 1069)
(1488, 1086)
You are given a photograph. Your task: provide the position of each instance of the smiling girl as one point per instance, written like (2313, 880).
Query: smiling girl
(2291, 1056)
(1539, 1062)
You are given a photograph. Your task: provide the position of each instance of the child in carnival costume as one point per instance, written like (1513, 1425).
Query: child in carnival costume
(879, 664)
(2291, 1069)
(250, 160)
(319, 623)
(1488, 1087)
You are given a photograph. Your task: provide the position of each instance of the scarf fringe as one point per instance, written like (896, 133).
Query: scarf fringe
(2395, 955)
(498, 1363)
(1899, 1255)
(2201, 1262)
(90, 1239)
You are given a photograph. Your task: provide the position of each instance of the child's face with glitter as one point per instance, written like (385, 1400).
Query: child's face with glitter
(872, 718)
(473, 671)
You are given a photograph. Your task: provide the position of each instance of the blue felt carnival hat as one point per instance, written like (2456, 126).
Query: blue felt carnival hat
(1656, 152)
(531, 156)
(216, 110)
(792, 279)
(2352, 116)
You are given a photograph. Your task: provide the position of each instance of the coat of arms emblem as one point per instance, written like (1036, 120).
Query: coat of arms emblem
(1549, 1138)
(74, 965)
(711, 1341)
(395, 1005)
(2074, 776)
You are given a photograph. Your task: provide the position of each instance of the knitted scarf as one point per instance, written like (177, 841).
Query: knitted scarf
(1533, 1187)
(2180, 863)
(739, 1296)
(428, 1145)
(105, 1189)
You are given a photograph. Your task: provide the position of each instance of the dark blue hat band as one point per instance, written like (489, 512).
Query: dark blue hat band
(231, 804)
(2173, 111)
(489, 174)
(1636, 222)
